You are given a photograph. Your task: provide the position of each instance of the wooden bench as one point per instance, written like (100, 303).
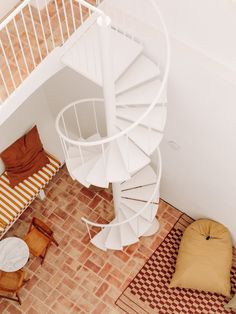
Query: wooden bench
(14, 201)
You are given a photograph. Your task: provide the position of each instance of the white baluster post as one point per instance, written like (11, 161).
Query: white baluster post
(104, 23)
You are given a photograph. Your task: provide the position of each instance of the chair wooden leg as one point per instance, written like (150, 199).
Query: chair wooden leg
(42, 259)
(54, 241)
(10, 298)
(18, 297)
(43, 256)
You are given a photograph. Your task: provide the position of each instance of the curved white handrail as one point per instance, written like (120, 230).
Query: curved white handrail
(142, 117)
(94, 224)
(26, 2)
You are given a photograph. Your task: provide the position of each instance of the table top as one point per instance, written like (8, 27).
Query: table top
(14, 254)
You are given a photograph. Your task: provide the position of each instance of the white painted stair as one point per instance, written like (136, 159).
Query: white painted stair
(132, 77)
(84, 56)
(142, 94)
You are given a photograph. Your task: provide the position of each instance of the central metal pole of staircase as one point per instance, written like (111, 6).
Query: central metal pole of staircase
(104, 23)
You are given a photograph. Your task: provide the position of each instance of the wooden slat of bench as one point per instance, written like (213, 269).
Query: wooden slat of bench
(14, 201)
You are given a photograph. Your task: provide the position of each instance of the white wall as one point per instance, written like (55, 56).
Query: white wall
(6, 6)
(199, 167)
(209, 25)
(68, 86)
(33, 111)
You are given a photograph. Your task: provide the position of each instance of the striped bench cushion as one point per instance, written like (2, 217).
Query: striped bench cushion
(13, 201)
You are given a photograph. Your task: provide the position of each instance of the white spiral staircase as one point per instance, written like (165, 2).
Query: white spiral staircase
(126, 151)
(114, 140)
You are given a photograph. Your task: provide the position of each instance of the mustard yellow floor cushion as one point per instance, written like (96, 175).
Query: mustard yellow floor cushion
(205, 258)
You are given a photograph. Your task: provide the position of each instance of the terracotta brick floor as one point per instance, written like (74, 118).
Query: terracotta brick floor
(76, 277)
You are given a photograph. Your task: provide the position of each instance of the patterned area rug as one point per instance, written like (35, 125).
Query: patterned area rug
(149, 291)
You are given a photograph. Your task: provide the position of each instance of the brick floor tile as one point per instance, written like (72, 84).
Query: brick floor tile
(102, 289)
(90, 265)
(95, 201)
(113, 281)
(12, 309)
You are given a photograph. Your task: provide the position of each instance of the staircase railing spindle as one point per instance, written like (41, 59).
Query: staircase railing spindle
(42, 27)
(95, 116)
(14, 54)
(35, 33)
(21, 47)
(49, 24)
(73, 15)
(81, 14)
(59, 22)
(8, 65)
(4, 83)
(66, 18)
(28, 39)
(77, 121)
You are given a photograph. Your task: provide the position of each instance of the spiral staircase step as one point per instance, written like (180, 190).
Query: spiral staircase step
(155, 119)
(146, 176)
(132, 78)
(84, 56)
(97, 173)
(80, 173)
(128, 236)
(94, 137)
(116, 169)
(99, 239)
(141, 95)
(113, 240)
(139, 224)
(142, 193)
(146, 139)
(72, 164)
(134, 157)
(149, 213)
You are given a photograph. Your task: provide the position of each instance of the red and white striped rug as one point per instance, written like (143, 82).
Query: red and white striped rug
(149, 291)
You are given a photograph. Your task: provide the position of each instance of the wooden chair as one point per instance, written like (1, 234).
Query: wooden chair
(39, 238)
(12, 283)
